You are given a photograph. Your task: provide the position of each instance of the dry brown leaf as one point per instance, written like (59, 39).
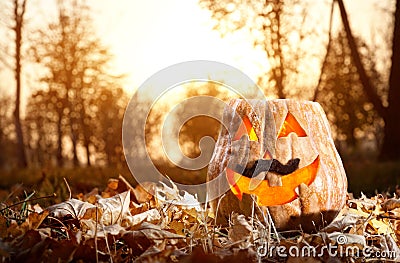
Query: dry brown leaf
(164, 193)
(88, 253)
(342, 222)
(358, 212)
(4, 250)
(381, 226)
(72, 207)
(115, 208)
(151, 216)
(142, 196)
(89, 197)
(14, 230)
(391, 245)
(155, 254)
(113, 183)
(3, 227)
(363, 204)
(178, 227)
(391, 204)
(37, 208)
(303, 260)
(138, 208)
(191, 216)
(240, 229)
(109, 210)
(34, 220)
(113, 188)
(88, 228)
(347, 239)
(155, 233)
(137, 242)
(149, 236)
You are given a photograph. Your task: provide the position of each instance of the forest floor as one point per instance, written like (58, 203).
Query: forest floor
(68, 220)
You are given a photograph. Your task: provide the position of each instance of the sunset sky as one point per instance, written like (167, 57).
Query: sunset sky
(146, 36)
(149, 35)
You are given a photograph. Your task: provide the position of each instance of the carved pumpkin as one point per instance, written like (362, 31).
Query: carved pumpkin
(281, 152)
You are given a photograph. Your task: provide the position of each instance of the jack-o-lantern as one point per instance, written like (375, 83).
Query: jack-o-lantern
(280, 152)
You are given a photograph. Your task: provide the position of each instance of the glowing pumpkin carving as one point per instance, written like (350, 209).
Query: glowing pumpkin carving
(282, 153)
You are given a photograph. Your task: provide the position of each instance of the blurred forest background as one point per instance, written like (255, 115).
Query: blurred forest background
(71, 123)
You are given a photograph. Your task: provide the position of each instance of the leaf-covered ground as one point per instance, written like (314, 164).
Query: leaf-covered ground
(125, 224)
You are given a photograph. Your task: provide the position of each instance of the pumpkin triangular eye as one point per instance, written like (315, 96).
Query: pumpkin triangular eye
(291, 125)
(246, 128)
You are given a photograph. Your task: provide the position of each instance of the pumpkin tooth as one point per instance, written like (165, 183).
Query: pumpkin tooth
(267, 155)
(297, 190)
(230, 174)
(256, 181)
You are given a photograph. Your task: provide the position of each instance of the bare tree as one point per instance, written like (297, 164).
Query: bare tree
(18, 17)
(343, 98)
(76, 63)
(391, 144)
(279, 28)
(44, 113)
(7, 128)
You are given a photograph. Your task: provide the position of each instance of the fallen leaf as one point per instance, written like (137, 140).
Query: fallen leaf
(154, 232)
(113, 183)
(341, 222)
(151, 216)
(3, 227)
(240, 229)
(391, 204)
(347, 239)
(115, 208)
(302, 260)
(141, 194)
(164, 193)
(381, 226)
(34, 220)
(178, 227)
(137, 241)
(72, 207)
(138, 208)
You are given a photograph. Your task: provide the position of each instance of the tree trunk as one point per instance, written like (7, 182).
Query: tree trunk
(369, 89)
(391, 142)
(328, 48)
(87, 154)
(19, 11)
(278, 71)
(74, 147)
(86, 141)
(60, 160)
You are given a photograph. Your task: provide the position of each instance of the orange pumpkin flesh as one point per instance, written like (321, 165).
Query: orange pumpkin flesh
(274, 195)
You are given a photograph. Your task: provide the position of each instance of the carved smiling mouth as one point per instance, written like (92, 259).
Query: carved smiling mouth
(273, 195)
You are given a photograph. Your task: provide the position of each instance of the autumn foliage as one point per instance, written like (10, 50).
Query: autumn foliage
(124, 223)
